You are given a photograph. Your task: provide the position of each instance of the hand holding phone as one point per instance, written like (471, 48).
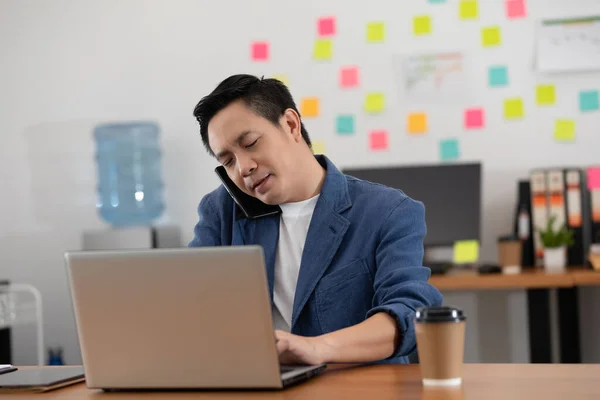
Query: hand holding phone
(251, 206)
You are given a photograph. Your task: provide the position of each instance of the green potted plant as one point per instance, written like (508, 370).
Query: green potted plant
(555, 244)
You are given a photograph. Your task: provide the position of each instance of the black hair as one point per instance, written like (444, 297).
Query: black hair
(268, 98)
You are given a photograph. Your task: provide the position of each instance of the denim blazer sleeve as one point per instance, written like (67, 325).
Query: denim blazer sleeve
(400, 282)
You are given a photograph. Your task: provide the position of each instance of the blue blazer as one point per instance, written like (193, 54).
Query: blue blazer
(363, 255)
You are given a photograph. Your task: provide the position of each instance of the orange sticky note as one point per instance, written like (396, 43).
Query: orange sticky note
(416, 123)
(309, 107)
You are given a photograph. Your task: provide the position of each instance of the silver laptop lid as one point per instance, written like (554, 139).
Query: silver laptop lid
(178, 318)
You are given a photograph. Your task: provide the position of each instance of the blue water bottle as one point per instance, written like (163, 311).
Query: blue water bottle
(129, 174)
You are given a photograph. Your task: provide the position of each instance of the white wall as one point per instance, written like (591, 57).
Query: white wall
(67, 65)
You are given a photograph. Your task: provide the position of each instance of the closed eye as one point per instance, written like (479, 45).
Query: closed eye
(252, 144)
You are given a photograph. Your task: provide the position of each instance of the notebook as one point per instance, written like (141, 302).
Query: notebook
(40, 379)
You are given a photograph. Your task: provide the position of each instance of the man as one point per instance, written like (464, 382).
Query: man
(344, 259)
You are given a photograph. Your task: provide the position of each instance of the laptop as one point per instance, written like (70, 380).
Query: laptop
(190, 318)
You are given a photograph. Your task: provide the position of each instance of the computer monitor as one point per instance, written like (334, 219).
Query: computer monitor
(451, 194)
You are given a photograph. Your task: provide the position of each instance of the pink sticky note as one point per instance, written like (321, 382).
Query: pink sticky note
(515, 9)
(260, 51)
(474, 118)
(378, 140)
(593, 178)
(326, 26)
(349, 77)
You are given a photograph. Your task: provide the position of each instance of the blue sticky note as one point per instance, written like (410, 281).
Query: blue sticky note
(437, 1)
(588, 100)
(345, 124)
(449, 149)
(498, 76)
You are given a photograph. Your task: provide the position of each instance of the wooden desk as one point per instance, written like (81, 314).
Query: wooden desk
(481, 381)
(537, 283)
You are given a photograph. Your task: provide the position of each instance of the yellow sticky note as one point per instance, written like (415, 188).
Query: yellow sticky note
(468, 9)
(545, 95)
(318, 147)
(564, 130)
(375, 102)
(323, 49)
(309, 107)
(513, 108)
(417, 123)
(490, 36)
(282, 78)
(422, 25)
(466, 252)
(375, 32)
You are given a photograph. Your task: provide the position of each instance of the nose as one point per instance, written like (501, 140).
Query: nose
(246, 165)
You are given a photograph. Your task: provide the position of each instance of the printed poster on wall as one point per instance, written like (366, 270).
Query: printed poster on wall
(432, 78)
(564, 45)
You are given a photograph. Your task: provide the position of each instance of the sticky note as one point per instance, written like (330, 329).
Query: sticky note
(588, 100)
(474, 118)
(326, 26)
(498, 76)
(437, 1)
(490, 36)
(468, 9)
(449, 150)
(416, 123)
(378, 140)
(466, 252)
(515, 9)
(260, 51)
(349, 77)
(422, 25)
(375, 32)
(323, 49)
(282, 78)
(318, 147)
(545, 95)
(564, 130)
(593, 178)
(374, 102)
(513, 108)
(309, 107)
(344, 124)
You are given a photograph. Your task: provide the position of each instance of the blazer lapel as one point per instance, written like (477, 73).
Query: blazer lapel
(326, 231)
(264, 232)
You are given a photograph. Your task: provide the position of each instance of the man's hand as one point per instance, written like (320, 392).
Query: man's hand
(294, 349)
(371, 340)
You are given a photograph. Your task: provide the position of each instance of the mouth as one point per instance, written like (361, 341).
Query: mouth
(261, 184)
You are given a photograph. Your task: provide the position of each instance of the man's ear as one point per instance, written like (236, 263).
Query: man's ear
(290, 122)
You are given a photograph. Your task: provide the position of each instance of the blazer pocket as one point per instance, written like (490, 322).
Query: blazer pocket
(344, 297)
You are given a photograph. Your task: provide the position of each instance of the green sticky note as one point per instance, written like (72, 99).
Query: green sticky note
(564, 130)
(588, 100)
(545, 95)
(422, 25)
(375, 32)
(374, 102)
(498, 76)
(468, 9)
(490, 36)
(466, 252)
(323, 49)
(513, 108)
(449, 150)
(344, 124)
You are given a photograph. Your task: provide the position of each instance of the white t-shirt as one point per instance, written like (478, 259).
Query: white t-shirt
(293, 227)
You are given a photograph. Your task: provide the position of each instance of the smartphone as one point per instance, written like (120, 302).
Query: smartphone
(251, 206)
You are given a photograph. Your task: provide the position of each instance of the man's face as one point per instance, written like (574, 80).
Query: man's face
(257, 155)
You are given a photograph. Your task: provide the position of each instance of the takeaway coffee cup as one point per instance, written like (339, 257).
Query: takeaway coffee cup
(440, 335)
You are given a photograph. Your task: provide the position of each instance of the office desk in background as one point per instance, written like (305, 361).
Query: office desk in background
(481, 381)
(538, 285)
